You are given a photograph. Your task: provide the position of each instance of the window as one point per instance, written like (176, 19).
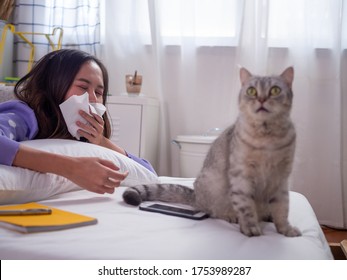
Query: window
(208, 22)
(301, 21)
(281, 23)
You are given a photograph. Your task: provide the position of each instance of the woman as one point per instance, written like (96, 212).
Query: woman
(55, 78)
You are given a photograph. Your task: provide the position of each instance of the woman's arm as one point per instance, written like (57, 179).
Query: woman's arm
(107, 143)
(93, 174)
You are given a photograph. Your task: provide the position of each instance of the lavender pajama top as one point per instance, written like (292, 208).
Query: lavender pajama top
(18, 123)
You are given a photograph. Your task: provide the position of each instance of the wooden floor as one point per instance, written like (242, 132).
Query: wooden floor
(333, 235)
(334, 238)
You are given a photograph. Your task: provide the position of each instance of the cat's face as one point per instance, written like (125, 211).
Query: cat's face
(266, 98)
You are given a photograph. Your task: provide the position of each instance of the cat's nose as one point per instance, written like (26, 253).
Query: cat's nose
(262, 99)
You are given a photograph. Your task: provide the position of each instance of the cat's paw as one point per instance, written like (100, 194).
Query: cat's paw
(291, 231)
(229, 218)
(251, 230)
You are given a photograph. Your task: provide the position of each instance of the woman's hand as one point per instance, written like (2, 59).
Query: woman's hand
(94, 174)
(93, 131)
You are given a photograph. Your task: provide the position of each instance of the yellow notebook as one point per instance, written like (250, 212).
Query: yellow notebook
(57, 220)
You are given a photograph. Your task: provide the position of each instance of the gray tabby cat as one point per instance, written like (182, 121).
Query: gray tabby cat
(244, 178)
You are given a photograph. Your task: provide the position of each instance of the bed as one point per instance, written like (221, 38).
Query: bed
(124, 232)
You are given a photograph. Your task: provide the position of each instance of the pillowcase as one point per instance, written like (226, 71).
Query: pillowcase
(20, 185)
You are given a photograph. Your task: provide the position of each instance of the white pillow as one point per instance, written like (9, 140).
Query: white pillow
(19, 185)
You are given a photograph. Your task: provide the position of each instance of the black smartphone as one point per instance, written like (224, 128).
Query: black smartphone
(173, 210)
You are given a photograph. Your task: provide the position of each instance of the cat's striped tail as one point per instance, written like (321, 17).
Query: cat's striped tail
(159, 192)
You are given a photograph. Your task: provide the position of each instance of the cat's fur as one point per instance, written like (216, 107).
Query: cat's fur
(244, 178)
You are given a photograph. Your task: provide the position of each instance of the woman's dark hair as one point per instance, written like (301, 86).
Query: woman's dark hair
(46, 85)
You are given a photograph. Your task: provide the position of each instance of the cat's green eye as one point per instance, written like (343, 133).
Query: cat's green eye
(251, 91)
(275, 91)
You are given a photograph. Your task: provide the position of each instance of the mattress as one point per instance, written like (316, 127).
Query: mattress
(124, 232)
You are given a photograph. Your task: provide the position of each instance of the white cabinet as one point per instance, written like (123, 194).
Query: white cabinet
(135, 123)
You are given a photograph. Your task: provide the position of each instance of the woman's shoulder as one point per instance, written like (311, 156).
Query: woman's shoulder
(15, 106)
(17, 114)
(19, 110)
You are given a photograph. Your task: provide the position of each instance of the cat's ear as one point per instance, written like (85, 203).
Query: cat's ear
(244, 75)
(288, 76)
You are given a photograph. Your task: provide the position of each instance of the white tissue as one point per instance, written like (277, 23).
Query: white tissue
(97, 108)
(73, 105)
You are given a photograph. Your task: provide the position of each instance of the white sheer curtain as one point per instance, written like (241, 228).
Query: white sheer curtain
(80, 20)
(189, 52)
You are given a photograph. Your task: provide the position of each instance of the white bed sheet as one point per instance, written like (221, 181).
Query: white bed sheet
(124, 232)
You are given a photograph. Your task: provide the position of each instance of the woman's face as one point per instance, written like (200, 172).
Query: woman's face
(88, 79)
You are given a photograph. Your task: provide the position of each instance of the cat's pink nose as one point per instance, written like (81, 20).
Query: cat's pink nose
(262, 100)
